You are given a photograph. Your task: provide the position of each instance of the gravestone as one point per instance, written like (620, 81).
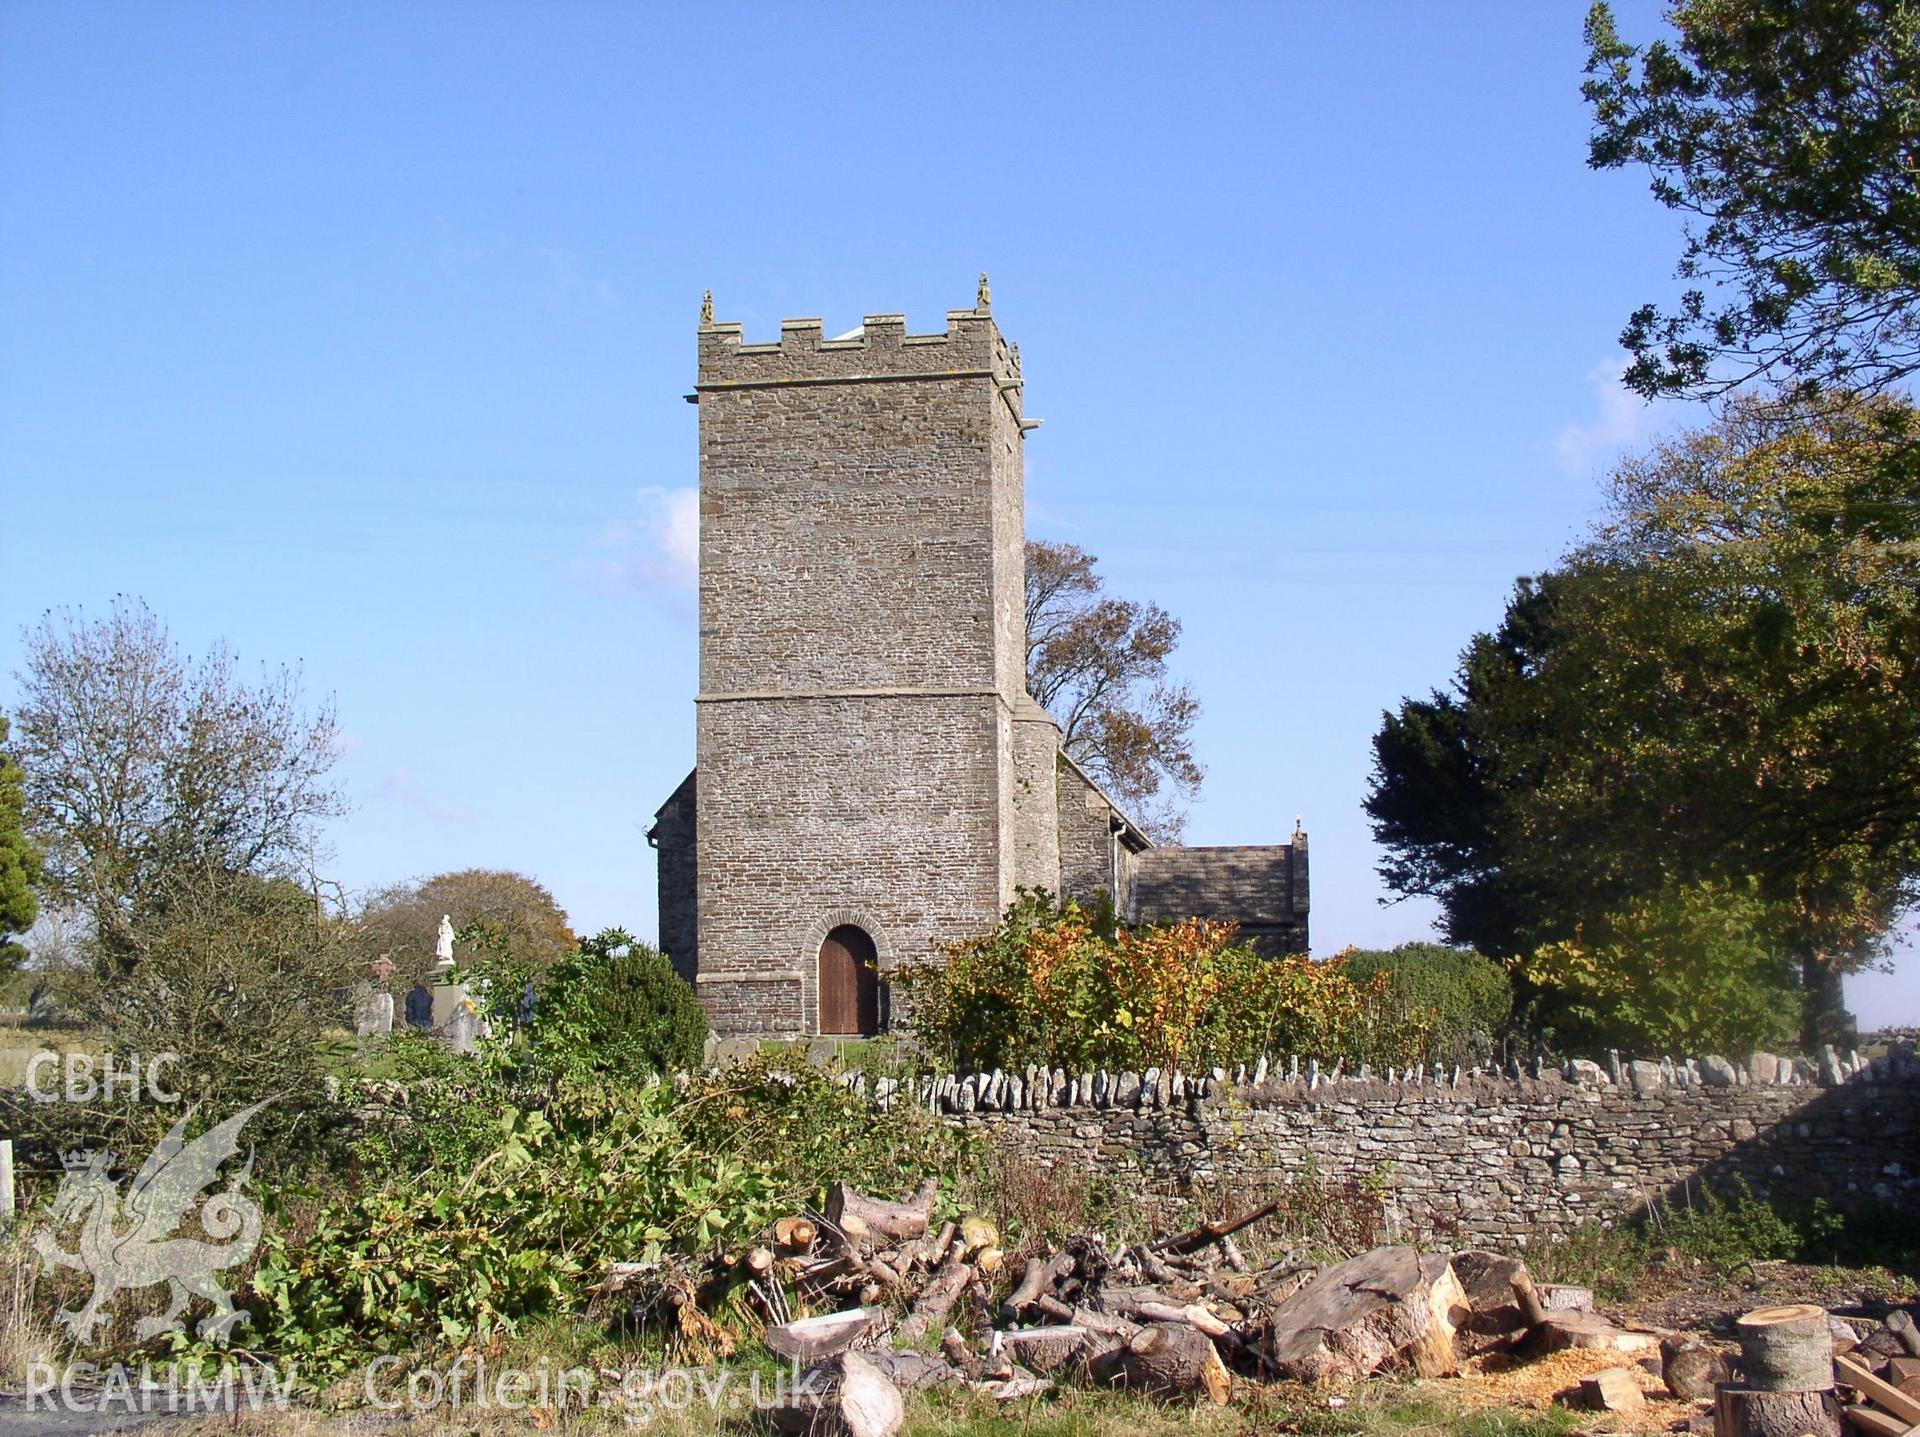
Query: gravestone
(419, 1006)
(373, 1000)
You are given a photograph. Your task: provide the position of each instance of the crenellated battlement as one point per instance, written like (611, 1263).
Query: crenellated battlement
(880, 350)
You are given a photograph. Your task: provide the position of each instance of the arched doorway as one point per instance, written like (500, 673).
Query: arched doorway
(849, 983)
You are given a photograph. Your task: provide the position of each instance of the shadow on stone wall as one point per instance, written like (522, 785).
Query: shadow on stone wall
(1480, 1156)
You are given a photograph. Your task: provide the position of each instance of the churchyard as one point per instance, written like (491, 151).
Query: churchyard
(1422, 1247)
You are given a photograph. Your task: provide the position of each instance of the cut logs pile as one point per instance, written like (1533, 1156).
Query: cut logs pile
(1799, 1372)
(871, 1296)
(1880, 1376)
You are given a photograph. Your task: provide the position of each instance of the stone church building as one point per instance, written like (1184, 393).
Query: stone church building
(872, 780)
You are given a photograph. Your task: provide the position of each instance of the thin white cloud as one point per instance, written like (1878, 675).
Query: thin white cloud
(1622, 421)
(402, 786)
(656, 550)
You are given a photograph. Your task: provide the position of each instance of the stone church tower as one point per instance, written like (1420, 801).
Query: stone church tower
(872, 780)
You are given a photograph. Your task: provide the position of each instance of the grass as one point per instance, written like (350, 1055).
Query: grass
(1380, 1410)
(1384, 1410)
(879, 1056)
(27, 1334)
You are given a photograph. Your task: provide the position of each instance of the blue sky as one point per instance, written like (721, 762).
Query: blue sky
(358, 335)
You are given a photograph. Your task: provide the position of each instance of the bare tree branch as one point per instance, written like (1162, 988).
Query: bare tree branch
(140, 763)
(1098, 664)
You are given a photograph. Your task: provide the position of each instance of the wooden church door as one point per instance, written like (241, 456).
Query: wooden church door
(849, 983)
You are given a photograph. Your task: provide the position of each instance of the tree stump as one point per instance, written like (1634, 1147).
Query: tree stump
(868, 1404)
(1036, 1281)
(793, 1234)
(963, 1358)
(910, 1371)
(886, 1222)
(1496, 1320)
(1562, 1297)
(1744, 1412)
(1557, 1331)
(1612, 1390)
(812, 1338)
(1047, 1350)
(936, 1301)
(1901, 1325)
(849, 1396)
(1786, 1349)
(1786, 1359)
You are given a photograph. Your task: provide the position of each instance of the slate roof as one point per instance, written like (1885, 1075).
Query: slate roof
(1249, 885)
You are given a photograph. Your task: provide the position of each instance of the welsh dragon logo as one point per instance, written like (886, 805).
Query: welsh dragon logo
(130, 1244)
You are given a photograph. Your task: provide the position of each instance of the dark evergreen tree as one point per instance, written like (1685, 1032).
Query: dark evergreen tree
(19, 860)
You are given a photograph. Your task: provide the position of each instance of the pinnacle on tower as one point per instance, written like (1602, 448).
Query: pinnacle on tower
(706, 307)
(983, 300)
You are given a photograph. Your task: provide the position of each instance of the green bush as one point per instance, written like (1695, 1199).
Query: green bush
(491, 1196)
(780, 1111)
(622, 1009)
(245, 983)
(615, 1008)
(1464, 995)
(1726, 1230)
(404, 1261)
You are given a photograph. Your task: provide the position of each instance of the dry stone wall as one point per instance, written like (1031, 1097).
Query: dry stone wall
(1501, 1157)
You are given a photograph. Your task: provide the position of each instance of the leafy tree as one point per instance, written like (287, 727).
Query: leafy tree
(1723, 683)
(1763, 578)
(1098, 664)
(19, 860)
(140, 764)
(402, 922)
(1461, 998)
(1443, 788)
(1785, 130)
(1694, 968)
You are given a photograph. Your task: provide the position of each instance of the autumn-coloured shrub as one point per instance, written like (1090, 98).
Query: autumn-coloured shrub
(1046, 986)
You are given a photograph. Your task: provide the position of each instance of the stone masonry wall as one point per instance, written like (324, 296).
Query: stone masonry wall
(1035, 798)
(1262, 888)
(872, 811)
(674, 838)
(1086, 837)
(858, 509)
(1475, 1158)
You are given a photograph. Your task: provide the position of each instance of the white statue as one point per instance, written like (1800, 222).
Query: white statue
(443, 945)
